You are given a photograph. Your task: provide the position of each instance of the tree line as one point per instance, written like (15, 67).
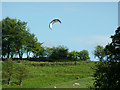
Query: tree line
(17, 40)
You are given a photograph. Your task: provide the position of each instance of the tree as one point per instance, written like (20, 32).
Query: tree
(84, 55)
(0, 39)
(70, 55)
(107, 73)
(13, 32)
(8, 69)
(16, 38)
(73, 55)
(38, 50)
(113, 49)
(21, 73)
(8, 31)
(99, 52)
(21, 37)
(48, 51)
(30, 44)
(59, 52)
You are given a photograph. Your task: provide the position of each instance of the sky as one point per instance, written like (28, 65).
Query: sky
(84, 24)
(60, 0)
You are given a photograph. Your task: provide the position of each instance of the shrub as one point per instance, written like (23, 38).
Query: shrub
(107, 75)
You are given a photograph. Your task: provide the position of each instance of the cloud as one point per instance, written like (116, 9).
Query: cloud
(52, 43)
(91, 41)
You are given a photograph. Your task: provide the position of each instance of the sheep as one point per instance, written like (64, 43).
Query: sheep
(76, 84)
(54, 86)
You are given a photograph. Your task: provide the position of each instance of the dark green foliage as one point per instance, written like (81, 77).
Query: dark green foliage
(48, 51)
(84, 55)
(16, 38)
(99, 52)
(59, 52)
(38, 50)
(107, 73)
(73, 55)
(113, 49)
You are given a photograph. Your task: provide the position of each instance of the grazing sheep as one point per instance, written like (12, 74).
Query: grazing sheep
(54, 86)
(76, 84)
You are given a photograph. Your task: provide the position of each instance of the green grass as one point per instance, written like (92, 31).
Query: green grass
(59, 74)
(84, 83)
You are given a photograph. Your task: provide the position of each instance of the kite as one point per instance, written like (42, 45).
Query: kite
(54, 21)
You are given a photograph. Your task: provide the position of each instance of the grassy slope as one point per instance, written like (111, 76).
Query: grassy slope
(84, 83)
(63, 76)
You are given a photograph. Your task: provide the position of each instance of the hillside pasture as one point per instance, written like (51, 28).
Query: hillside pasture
(59, 74)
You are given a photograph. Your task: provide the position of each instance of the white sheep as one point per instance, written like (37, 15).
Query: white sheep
(76, 84)
(54, 86)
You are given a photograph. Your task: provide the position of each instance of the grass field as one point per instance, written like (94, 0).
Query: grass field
(59, 74)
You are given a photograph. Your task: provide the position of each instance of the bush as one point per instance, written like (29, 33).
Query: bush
(107, 75)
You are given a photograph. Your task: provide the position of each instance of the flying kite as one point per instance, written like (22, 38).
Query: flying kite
(54, 21)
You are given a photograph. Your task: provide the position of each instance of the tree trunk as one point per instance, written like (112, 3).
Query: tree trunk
(8, 49)
(100, 59)
(9, 80)
(28, 55)
(8, 53)
(20, 55)
(20, 83)
(12, 56)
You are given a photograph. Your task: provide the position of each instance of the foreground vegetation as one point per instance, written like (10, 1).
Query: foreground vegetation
(107, 73)
(50, 74)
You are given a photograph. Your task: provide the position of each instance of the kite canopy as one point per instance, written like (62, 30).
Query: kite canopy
(54, 21)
